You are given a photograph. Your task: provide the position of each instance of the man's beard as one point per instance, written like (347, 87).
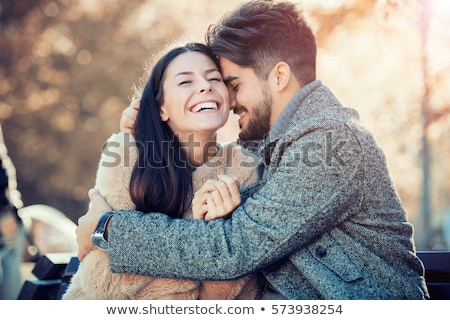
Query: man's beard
(259, 123)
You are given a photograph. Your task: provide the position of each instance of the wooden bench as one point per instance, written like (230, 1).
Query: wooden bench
(437, 273)
(54, 271)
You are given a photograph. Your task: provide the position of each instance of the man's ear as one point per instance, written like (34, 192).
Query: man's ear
(163, 113)
(280, 76)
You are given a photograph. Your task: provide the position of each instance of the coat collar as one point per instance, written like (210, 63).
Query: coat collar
(309, 102)
(289, 112)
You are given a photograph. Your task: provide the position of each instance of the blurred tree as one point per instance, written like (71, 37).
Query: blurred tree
(67, 71)
(393, 71)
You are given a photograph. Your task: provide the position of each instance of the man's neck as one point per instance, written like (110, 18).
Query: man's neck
(284, 118)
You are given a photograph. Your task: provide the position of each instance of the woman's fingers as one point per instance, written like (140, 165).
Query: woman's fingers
(216, 198)
(128, 118)
(229, 191)
(223, 197)
(199, 205)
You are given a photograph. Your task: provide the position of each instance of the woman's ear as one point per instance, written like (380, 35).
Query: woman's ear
(163, 113)
(280, 76)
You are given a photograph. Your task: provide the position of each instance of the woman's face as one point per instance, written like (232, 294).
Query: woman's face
(195, 96)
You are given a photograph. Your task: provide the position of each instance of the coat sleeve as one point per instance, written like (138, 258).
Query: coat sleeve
(312, 186)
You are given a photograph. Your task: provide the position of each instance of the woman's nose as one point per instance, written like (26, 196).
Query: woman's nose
(205, 86)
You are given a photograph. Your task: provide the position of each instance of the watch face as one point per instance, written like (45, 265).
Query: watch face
(97, 236)
(99, 241)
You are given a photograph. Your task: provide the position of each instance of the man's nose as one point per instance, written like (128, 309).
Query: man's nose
(233, 102)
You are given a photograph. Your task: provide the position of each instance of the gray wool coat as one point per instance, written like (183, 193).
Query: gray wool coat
(325, 222)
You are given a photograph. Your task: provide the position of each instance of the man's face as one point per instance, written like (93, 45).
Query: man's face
(250, 98)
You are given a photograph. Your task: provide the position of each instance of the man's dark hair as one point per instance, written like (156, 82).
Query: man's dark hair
(259, 34)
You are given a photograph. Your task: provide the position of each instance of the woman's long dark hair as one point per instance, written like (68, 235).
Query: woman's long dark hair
(161, 180)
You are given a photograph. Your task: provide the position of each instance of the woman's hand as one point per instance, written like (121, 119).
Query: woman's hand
(216, 198)
(88, 222)
(129, 117)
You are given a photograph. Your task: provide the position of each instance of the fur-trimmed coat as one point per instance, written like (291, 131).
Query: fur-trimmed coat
(94, 280)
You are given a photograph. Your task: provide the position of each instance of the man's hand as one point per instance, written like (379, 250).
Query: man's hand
(88, 222)
(129, 117)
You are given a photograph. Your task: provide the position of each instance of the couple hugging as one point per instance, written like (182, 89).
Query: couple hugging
(203, 221)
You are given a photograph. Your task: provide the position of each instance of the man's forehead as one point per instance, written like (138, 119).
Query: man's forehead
(230, 70)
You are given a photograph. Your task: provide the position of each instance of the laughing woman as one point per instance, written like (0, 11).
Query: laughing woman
(162, 166)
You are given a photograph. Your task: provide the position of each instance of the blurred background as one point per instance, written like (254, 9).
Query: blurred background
(68, 69)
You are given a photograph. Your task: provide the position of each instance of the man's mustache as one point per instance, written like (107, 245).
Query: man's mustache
(239, 109)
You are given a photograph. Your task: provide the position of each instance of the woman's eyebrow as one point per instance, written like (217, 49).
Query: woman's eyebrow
(212, 70)
(184, 73)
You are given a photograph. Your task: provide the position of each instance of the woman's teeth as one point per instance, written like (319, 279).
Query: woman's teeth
(204, 106)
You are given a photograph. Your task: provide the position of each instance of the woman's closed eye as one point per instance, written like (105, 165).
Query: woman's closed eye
(188, 81)
(215, 79)
(184, 82)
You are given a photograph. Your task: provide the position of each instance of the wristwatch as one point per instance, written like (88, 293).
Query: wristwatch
(98, 235)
